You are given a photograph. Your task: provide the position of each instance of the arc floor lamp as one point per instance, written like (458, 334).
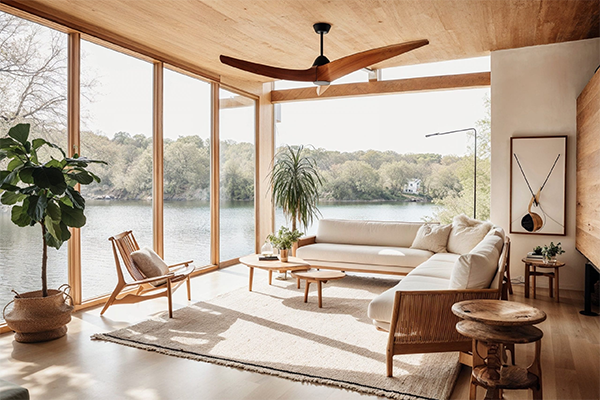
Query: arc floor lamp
(474, 161)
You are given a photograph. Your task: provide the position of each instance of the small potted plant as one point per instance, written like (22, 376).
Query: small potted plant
(284, 240)
(537, 250)
(551, 251)
(42, 193)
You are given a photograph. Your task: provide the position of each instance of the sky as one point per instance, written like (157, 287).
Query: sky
(389, 122)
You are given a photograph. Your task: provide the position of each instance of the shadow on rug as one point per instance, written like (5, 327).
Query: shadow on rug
(272, 331)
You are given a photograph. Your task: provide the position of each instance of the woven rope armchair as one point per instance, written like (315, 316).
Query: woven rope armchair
(422, 321)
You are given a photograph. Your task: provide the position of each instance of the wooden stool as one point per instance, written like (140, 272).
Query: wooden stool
(319, 277)
(494, 325)
(531, 267)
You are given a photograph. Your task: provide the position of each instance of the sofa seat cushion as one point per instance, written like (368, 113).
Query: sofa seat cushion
(377, 255)
(367, 233)
(446, 257)
(380, 309)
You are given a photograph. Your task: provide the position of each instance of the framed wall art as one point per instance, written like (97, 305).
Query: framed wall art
(538, 185)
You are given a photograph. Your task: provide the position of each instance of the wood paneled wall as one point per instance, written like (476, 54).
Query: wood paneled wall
(587, 239)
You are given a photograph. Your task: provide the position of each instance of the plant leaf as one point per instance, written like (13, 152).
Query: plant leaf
(10, 198)
(26, 174)
(18, 215)
(76, 198)
(20, 133)
(82, 177)
(37, 143)
(14, 163)
(37, 207)
(6, 143)
(72, 217)
(53, 210)
(50, 178)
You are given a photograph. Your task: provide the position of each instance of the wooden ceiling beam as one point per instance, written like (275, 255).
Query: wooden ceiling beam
(429, 83)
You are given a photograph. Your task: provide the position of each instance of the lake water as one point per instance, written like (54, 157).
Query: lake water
(187, 237)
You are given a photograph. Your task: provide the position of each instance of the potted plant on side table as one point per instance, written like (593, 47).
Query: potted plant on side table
(284, 240)
(42, 193)
(549, 252)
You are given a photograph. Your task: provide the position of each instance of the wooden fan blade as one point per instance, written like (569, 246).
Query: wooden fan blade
(306, 75)
(345, 65)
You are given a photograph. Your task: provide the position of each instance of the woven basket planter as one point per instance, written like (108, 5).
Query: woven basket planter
(34, 318)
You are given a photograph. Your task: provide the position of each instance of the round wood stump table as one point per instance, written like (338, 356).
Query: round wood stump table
(496, 325)
(319, 277)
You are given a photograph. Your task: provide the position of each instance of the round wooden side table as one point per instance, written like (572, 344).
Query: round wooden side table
(531, 267)
(496, 324)
(320, 277)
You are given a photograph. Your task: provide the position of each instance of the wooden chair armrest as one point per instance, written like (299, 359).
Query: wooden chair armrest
(186, 263)
(305, 241)
(156, 278)
(426, 316)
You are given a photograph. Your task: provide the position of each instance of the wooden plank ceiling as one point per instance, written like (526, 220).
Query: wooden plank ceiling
(280, 33)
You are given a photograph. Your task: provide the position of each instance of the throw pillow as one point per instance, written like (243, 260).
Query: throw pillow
(476, 269)
(432, 237)
(150, 263)
(466, 234)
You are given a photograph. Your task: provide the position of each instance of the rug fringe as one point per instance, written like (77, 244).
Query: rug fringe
(252, 368)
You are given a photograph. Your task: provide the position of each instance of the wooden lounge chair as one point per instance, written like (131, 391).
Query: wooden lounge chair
(124, 244)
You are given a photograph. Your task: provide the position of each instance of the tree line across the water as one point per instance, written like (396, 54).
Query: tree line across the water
(348, 176)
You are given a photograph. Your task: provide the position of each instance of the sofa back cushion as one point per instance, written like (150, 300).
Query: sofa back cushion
(432, 237)
(476, 269)
(466, 234)
(370, 233)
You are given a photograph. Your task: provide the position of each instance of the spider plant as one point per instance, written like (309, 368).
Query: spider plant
(295, 182)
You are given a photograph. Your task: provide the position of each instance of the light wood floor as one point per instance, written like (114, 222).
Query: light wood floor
(74, 367)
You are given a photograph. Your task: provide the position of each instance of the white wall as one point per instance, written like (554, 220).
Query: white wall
(534, 92)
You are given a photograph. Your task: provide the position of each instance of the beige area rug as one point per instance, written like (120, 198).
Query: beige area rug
(272, 331)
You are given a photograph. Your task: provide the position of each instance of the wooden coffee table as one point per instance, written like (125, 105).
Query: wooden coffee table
(319, 277)
(293, 264)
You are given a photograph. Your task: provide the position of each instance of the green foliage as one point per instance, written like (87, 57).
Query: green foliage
(552, 250)
(538, 250)
(285, 238)
(43, 192)
(295, 181)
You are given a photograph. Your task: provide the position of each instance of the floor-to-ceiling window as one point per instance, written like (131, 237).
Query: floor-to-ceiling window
(33, 83)
(376, 159)
(237, 170)
(187, 128)
(117, 128)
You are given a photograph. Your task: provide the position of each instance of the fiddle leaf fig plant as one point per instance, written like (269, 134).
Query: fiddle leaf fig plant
(43, 192)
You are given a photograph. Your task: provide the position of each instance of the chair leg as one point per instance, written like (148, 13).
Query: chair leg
(189, 288)
(112, 297)
(169, 297)
(389, 363)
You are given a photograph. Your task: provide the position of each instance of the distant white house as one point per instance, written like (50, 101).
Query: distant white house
(413, 186)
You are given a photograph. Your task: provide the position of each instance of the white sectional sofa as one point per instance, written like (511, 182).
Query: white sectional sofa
(417, 311)
(363, 246)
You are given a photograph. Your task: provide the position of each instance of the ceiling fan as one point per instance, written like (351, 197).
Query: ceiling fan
(323, 71)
